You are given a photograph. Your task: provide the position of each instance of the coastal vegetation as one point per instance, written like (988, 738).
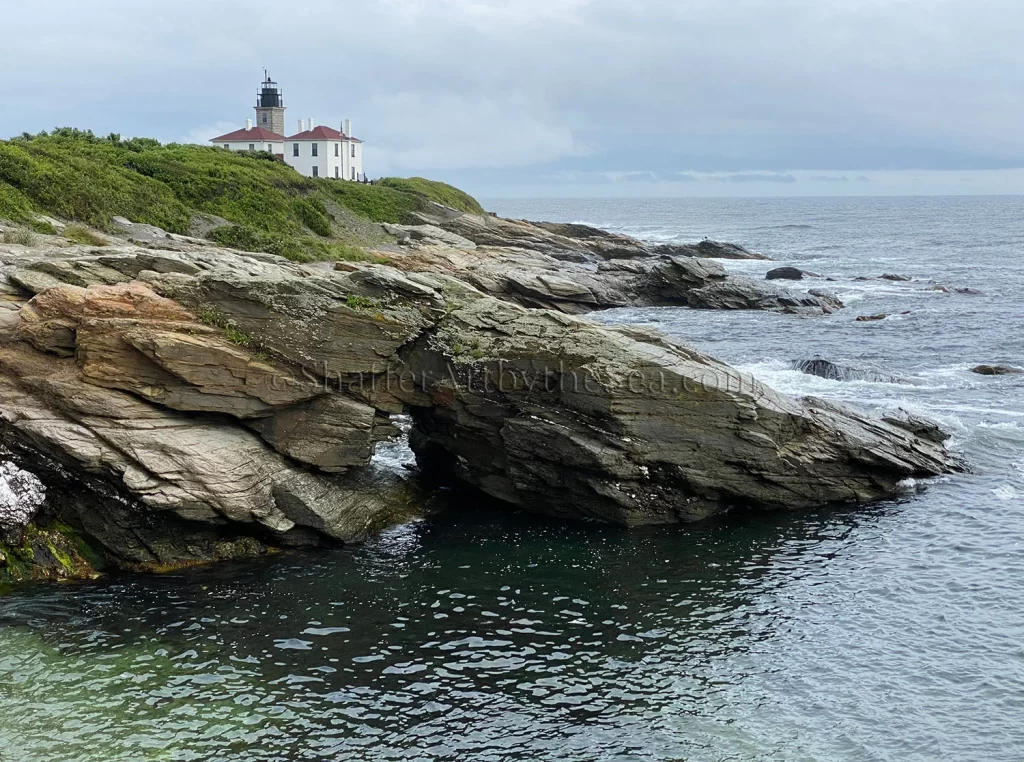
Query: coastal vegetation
(249, 200)
(19, 237)
(442, 193)
(79, 233)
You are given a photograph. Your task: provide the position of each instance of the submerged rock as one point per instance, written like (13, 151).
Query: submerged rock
(996, 370)
(835, 372)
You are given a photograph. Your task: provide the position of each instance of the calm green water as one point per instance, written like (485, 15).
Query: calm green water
(482, 638)
(894, 632)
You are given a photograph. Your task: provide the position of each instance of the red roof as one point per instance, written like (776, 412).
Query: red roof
(322, 133)
(254, 135)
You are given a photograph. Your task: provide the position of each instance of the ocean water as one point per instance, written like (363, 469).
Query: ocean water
(888, 632)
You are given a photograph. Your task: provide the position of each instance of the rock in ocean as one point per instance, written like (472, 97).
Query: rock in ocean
(996, 370)
(785, 273)
(201, 403)
(576, 269)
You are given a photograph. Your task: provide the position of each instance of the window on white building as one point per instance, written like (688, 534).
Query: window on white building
(227, 145)
(353, 173)
(264, 118)
(315, 147)
(353, 150)
(337, 172)
(337, 149)
(295, 149)
(316, 170)
(252, 146)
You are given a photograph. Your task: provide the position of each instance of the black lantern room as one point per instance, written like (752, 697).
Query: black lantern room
(270, 95)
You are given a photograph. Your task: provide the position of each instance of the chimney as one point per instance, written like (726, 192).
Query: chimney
(302, 125)
(311, 124)
(248, 124)
(347, 129)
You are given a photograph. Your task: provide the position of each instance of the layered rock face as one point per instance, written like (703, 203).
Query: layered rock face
(565, 241)
(577, 269)
(554, 414)
(196, 403)
(169, 416)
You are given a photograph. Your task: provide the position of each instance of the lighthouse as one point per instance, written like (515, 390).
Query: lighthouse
(314, 151)
(270, 106)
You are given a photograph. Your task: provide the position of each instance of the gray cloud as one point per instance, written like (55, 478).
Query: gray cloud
(497, 92)
(758, 177)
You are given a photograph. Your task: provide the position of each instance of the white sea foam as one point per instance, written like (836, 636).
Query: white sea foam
(851, 297)
(1006, 492)
(1002, 425)
(396, 455)
(781, 376)
(908, 485)
(987, 410)
(21, 494)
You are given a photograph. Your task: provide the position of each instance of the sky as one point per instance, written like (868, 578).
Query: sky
(531, 98)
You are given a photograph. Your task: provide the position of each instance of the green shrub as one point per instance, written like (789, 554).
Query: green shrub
(238, 237)
(326, 251)
(14, 205)
(42, 227)
(20, 237)
(213, 317)
(343, 252)
(237, 337)
(81, 234)
(314, 215)
(378, 203)
(441, 193)
(356, 302)
(86, 182)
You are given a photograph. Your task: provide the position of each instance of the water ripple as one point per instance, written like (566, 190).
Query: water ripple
(892, 632)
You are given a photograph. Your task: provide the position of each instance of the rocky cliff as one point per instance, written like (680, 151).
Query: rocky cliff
(578, 269)
(182, 402)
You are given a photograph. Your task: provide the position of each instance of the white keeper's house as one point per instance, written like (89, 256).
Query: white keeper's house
(314, 151)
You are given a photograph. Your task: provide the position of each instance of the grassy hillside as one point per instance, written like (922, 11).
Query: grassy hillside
(77, 176)
(441, 193)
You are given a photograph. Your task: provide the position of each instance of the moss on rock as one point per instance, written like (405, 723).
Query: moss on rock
(52, 552)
